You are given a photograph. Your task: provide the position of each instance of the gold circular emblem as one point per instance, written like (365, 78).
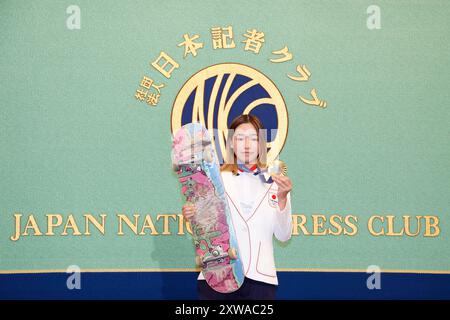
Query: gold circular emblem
(214, 96)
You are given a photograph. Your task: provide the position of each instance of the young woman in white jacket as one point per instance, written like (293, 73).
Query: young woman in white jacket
(260, 208)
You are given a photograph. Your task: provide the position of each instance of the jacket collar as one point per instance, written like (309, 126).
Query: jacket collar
(243, 168)
(234, 185)
(263, 175)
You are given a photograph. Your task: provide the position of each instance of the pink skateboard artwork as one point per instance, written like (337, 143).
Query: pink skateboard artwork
(197, 169)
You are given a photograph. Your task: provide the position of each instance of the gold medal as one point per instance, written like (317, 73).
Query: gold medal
(277, 167)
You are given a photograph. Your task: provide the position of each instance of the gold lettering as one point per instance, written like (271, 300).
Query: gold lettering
(336, 225)
(429, 225)
(166, 230)
(124, 218)
(71, 224)
(301, 225)
(31, 223)
(148, 224)
(51, 224)
(370, 225)
(17, 219)
(351, 225)
(89, 218)
(390, 227)
(407, 226)
(180, 224)
(318, 225)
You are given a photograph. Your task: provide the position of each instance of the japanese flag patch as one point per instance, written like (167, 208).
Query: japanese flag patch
(272, 198)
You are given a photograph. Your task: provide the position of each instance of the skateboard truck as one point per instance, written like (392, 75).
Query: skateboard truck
(216, 254)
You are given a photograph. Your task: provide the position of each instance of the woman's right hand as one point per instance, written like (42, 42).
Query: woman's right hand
(188, 210)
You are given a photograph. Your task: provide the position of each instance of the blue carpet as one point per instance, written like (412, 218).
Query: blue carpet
(182, 286)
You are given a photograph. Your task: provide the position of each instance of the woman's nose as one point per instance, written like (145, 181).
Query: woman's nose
(247, 142)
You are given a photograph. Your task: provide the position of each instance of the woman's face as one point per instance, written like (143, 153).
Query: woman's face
(245, 143)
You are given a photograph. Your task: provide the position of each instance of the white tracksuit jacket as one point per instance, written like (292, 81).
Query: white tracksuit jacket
(255, 230)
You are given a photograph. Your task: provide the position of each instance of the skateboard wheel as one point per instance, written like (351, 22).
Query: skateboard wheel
(232, 253)
(198, 261)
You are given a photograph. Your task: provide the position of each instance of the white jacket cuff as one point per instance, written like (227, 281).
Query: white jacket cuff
(283, 221)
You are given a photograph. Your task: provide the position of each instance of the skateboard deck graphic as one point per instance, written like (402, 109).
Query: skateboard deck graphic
(197, 168)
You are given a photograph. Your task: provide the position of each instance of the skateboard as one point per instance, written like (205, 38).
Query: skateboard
(197, 169)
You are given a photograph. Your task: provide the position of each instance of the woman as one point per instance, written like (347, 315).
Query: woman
(259, 208)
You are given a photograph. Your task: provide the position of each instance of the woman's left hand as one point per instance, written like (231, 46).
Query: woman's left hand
(284, 186)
